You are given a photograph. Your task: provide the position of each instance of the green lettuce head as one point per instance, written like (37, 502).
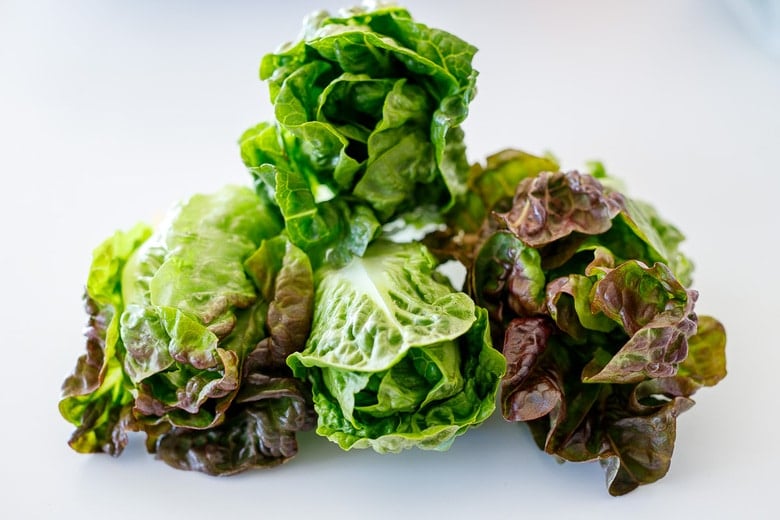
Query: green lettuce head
(189, 329)
(368, 108)
(396, 357)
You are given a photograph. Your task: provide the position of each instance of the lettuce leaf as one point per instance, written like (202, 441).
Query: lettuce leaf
(396, 358)
(97, 397)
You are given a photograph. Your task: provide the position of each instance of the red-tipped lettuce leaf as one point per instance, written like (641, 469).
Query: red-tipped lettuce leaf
(552, 205)
(97, 397)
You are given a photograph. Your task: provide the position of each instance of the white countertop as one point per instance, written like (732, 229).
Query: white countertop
(111, 111)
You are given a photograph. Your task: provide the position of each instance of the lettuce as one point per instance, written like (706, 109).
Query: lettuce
(396, 358)
(189, 331)
(588, 299)
(368, 108)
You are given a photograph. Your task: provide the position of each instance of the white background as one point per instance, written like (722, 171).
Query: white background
(111, 111)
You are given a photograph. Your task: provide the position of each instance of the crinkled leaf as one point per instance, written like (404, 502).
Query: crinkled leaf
(655, 310)
(422, 377)
(270, 407)
(96, 398)
(176, 364)
(507, 278)
(332, 231)
(188, 332)
(386, 42)
(527, 394)
(570, 304)
(552, 205)
(632, 440)
(492, 185)
(108, 260)
(400, 154)
(258, 432)
(573, 430)
(370, 312)
(285, 278)
(661, 237)
(424, 401)
(640, 447)
(706, 361)
(489, 188)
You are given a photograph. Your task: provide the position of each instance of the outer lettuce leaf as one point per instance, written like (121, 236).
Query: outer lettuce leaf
(587, 293)
(655, 310)
(642, 441)
(525, 397)
(495, 183)
(553, 205)
(395, 357)
(97, 397)
(284, 275)
(368, 109)
(507, 278)
(706, 361)
(662, 238)
(259, 431)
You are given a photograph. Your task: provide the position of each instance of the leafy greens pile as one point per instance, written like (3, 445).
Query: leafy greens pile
(249, 315)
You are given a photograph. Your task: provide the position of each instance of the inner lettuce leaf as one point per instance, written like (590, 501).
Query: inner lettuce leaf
(588, 298)
(396, 357)
(368, 108)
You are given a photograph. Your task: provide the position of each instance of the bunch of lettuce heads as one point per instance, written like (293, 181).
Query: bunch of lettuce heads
(301, 301)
